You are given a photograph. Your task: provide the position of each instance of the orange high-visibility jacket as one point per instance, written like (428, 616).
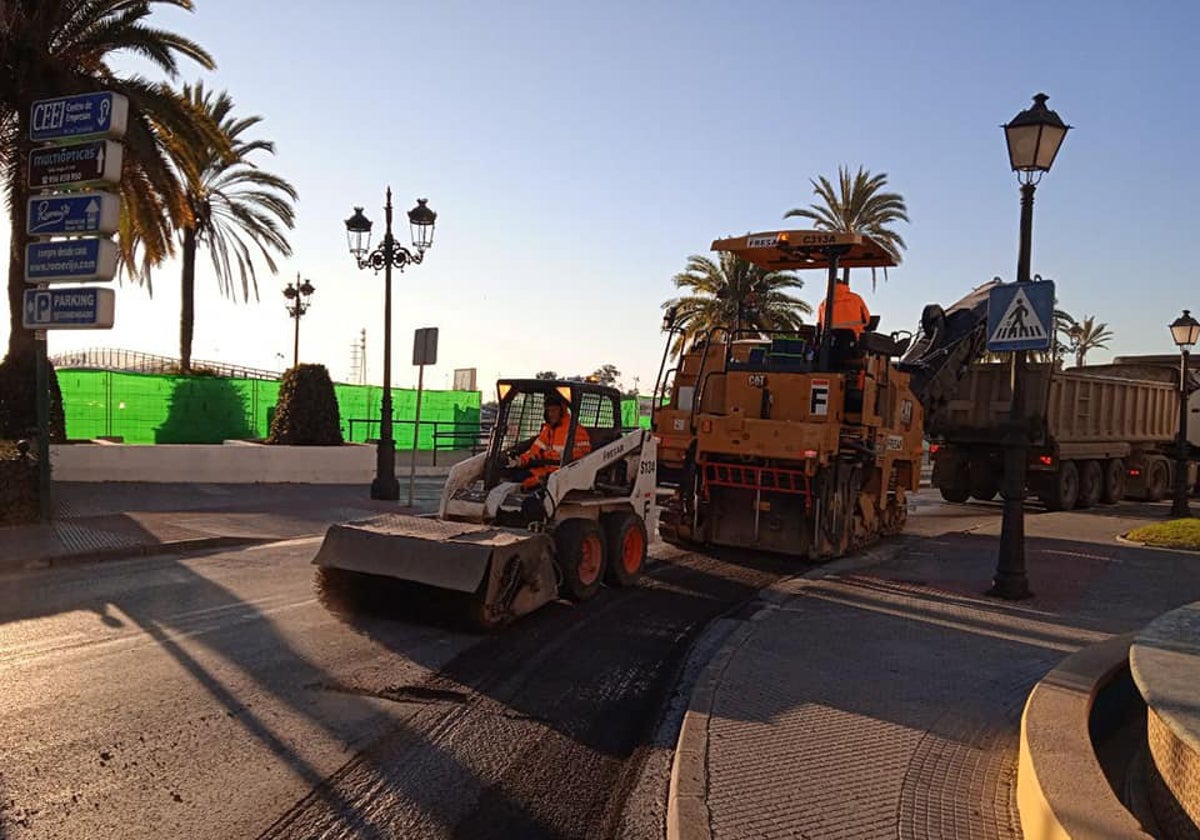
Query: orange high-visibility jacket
(549, 446)
(849, 310)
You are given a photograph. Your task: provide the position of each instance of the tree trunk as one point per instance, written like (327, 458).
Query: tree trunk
(187, 315)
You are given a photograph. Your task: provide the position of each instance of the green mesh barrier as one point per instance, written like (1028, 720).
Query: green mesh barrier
(158, 408)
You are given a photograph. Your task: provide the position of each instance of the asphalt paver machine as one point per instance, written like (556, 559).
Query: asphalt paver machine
(510, 547)
(805, 442)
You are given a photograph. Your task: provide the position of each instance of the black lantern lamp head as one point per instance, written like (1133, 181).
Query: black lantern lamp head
(1034, 137)
(1185, 330)
(307, 288)
(1075, 334)
(668, 322)
(358, 234)
(421, 219)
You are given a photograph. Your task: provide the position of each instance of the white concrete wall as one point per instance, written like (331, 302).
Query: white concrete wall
(234, 462)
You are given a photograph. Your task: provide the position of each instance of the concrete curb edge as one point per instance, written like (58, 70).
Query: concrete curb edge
(130, 552)
(1062, 791)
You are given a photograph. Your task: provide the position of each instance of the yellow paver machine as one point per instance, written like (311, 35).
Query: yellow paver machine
(801, 442)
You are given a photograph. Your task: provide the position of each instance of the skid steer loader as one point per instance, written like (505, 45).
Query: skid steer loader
(512, 536)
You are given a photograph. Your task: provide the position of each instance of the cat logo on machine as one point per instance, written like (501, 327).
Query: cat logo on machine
(895, 443)
(818, 400)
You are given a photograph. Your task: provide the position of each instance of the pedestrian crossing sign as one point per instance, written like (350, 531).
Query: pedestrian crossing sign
(1021, 316)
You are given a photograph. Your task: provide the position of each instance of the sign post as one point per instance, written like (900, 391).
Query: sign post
(75, 147)
(425, 341)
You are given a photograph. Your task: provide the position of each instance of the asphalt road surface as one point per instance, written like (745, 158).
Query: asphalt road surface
(218, 696)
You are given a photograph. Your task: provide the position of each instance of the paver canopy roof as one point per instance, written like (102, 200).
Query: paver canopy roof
(787, 250)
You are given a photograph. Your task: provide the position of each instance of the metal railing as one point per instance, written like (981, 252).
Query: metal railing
(448, 435)
(135, 361)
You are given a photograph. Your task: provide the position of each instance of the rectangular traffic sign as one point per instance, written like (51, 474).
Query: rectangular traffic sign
(76, 308)
(70, 260)
(73, 213)
(96, 162)
(71, 117)
(425, 341)
(1021, 316)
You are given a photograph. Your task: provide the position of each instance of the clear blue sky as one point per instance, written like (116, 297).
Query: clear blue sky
(577, 154)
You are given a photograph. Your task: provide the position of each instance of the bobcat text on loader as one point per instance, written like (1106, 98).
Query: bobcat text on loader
(512, 548)
(803, 442)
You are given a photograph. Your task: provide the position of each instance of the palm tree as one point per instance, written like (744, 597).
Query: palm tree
(734, 293)
(65, 47)
(1091, 336)
(858, 206)
(233, 207)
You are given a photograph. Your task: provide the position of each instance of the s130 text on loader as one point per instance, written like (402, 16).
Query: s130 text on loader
(511, 535)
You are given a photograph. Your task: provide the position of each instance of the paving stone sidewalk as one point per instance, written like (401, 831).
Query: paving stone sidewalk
(97, 521)
(885, 700)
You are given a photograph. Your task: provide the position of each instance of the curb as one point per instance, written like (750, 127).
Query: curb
(130, 552)
(1135, 544)
(688, 817)
(1062, 791)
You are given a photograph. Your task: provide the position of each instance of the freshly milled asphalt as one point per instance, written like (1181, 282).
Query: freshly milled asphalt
(540, 730)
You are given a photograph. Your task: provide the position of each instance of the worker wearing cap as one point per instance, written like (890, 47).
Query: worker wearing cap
(545, 454)
(849, 310)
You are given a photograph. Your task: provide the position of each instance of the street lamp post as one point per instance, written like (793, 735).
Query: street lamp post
(297, 296)
(1034, 137)
(1186, 332)
(388, 255)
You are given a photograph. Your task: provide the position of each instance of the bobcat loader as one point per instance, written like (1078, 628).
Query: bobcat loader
(509, 546)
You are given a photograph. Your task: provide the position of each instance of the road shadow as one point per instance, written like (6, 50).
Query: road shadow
(185, 611)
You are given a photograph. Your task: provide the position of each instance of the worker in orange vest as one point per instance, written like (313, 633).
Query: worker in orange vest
(849, 310)
(545, 454)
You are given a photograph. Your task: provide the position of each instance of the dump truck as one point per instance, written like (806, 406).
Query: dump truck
(510, 535)
(802, 442)
(1096, 434)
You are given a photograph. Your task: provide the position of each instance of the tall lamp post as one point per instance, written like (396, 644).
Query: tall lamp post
(1186, 332)
(1034, 137)
(297, 296)
(387, 256)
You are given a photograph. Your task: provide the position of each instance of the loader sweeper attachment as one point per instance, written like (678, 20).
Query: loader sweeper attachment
(557, 504)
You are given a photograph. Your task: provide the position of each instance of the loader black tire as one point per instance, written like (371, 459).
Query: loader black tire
(579, 553)
(1114, 481)
(625, 543)
(1091, 484)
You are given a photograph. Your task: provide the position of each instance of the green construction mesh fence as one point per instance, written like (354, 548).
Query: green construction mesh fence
(158, 408)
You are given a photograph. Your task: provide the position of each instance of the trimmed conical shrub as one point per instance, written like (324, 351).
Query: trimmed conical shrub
(307, 411)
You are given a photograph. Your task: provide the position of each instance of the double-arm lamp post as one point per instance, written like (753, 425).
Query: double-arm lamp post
(297, 296)
(1034, 137)
(387, 256)
(1186, 332)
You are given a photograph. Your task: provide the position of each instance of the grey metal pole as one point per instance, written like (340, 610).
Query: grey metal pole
(1011, 581)
(42, 383)
(412, 467)
(1179, 505)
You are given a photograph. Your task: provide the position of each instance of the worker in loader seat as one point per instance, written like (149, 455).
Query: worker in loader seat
(849, 310)
(545, 454)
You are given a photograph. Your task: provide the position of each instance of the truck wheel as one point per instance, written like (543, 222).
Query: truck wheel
(1063, 488)
(1091, 484)
(625, 544)
(1156, 480)
(1114, 481)
(958, 489)
(985, 482)
(579, 549)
